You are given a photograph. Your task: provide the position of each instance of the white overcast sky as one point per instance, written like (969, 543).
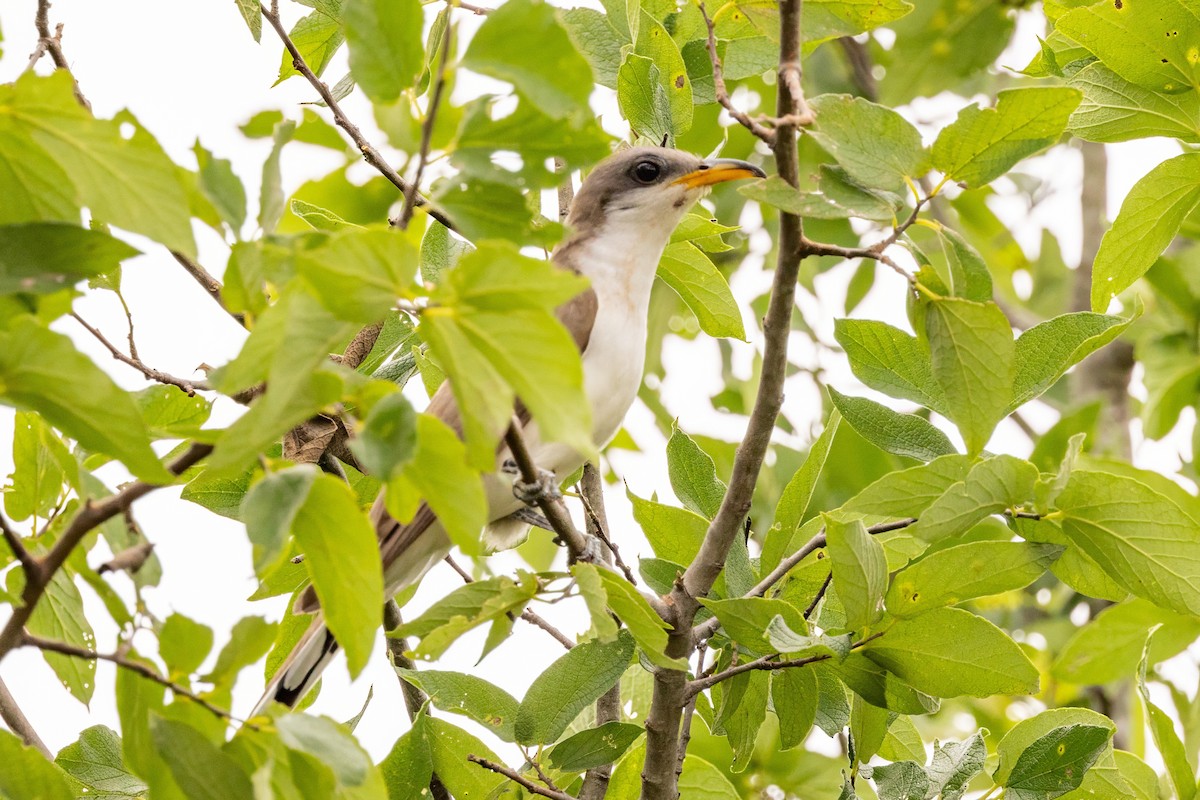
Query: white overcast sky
(190, 70)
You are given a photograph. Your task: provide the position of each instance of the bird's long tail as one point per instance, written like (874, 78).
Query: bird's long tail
(302, 669)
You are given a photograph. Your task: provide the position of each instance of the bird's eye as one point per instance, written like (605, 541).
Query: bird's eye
(647, 172)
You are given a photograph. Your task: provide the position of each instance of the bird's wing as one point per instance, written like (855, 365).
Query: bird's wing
(578, 315)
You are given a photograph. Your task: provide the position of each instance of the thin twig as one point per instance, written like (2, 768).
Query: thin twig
(808, 612)
(439, 84)
(591, 493)
(28, 562)
(478, 11)
(18, 723)
(707, 628)
(90, 516)
(722, 92)
(689, 711)
(53, 46)
(516, 777)
(189, 386)
(532, 617)
(146, 671)
(369, 153)
(767, 662)
(542, 776)
(207, 282)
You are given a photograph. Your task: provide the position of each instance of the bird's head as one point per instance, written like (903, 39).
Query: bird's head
(648, 190)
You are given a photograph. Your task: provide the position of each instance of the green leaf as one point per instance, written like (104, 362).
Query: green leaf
(1028, 731)
(826, 19)
(489, 210)
(654, 42)
(342, 556)
(744, 716)
(522, 42)
(42, 464)
(440, 474)
(127, 182)
(572, 682)
(1056, 763)
(745, 620)
(249, 641)
(648, 628)
(201, 770)
(577, 140)
(221, 186)
(386, 51)
(954, 764)
(596, 39)
(1115, 110)
(388, 438)
(44, 257)
(976, 569)
(170, 413)
(269, 511)
(908, 492)
(270, 192)
(675, 534)
(408, 765)
(797, 642)
(59, 616)
(440, 251)
(868, 726)
(28, 774)
(972, 353)
(890, 361)
(183, 644)
(495, 336)
(1150, 45)
(875, 145)
(448, 745)
(794, 697)
(41, 370)
(983, 144)
(990, 487)
(797, 495)
(1149, 218)
(698, 282)
(457, 693)
(904, 780)
(465, 608)
(1109, 646)
(251, 11)
(643, 100)
(95, 761)
(860, 573)
(332, 745)
(693, 475)
(358, 274)
(33, 184)
(876, 685)
(902, 434)
(317, 37)
(1162, 729)
(840, 197)
(1137, 535)
(981, 660)
(594, 747)
(1044, 352)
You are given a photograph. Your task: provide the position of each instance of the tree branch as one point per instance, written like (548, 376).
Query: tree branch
(439, 84)
(552, 508)
(91, 515)
(369, 153)
(768, 662)
(207, 282)
(662, 723)
(146, 671)
(18, 723)
(53, 46)
(722, 92)
(518, 778)
(27, 560)
(189, 386)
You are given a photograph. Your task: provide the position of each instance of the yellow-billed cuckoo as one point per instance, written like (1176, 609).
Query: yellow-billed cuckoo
(620, 222)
